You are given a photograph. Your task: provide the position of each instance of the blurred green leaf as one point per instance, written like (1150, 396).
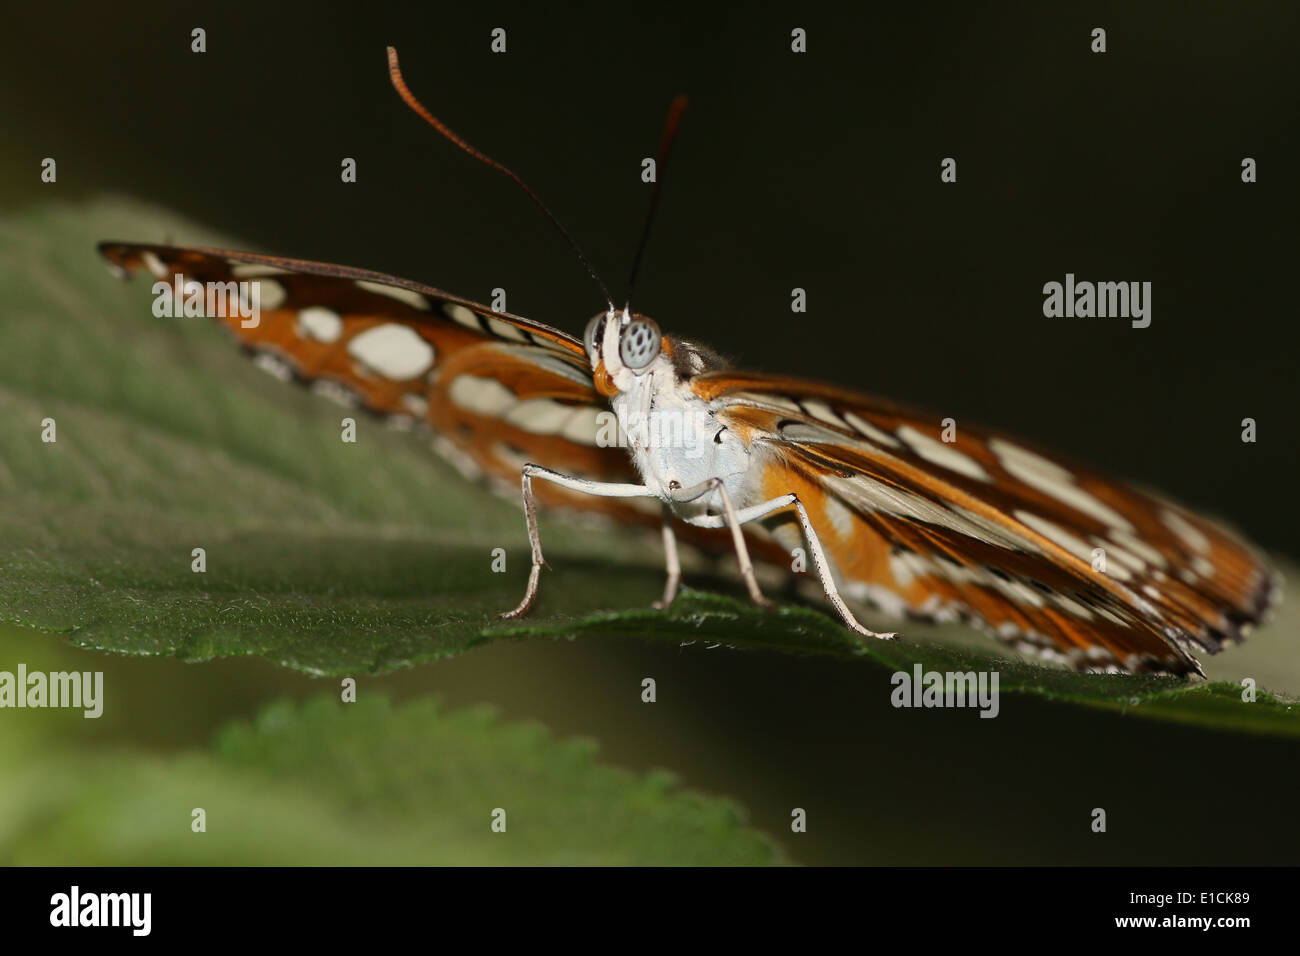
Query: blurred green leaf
(345, 558)
(327, 783)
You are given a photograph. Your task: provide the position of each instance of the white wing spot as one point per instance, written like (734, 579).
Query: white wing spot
(774, 401)
(417, 405)
(319, 323)
(508, 456)
(393, 351)
(255, 270)
(264, 293)
(154, 265)
(545, 416)
(822, 412)
(1112, 617)
(1050, 478)
(458, 313)
(1071, 605)
(505, 330)
(584, 426)
(942, 454)
(813, 434)
(1075, 546)
(335, 392)
(1126, 558)
(994, 533)
(1138, 547)
(1018, 591)
(273, 365)
(541, 416)
(1187, 532)
(875, 496)
(483, 396)
(868, 430)
(840, 517)
(409, 296)
(901, 569)
(1018, 460)
(907, 566)
(460, 459)
(881, 597)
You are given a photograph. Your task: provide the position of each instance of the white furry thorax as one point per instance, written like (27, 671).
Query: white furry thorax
(674, 437)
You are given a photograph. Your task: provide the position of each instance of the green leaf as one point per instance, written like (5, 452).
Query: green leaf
(327, 783)
(338, 558)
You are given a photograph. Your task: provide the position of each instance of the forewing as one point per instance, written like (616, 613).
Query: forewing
(498, 390)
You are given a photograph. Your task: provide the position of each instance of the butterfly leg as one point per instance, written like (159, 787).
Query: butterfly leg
(762, 510)
(732, 519)
(824, 574)
(600, 488)
(670, 557)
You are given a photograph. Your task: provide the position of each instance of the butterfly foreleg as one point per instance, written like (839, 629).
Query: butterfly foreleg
(766, 508)
(600, 488)
(730, 518)
(824, 575)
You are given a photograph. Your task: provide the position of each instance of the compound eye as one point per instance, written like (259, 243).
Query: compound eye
(639, 343)
(595, 329)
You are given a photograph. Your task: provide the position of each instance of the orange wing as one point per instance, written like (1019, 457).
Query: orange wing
(497, 389)
(992, 530)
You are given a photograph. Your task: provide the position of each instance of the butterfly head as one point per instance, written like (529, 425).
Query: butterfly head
(622, 346)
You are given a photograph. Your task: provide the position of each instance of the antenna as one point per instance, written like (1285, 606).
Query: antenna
(661, 168)
(395, 74)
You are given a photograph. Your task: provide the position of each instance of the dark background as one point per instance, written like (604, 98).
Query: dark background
(821, 171)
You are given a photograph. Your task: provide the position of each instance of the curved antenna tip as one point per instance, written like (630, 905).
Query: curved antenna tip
(399, 84)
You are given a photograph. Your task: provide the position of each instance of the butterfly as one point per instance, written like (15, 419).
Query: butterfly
(647, 428)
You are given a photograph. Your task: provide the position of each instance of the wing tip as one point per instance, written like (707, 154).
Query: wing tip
(1256, 610)
(115, 258)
